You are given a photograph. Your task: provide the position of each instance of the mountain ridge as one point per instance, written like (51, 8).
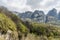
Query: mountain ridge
(39, 16)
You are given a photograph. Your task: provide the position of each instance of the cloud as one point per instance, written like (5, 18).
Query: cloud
(43, 4)
(18, 5)
(26, 5)
(33, 3)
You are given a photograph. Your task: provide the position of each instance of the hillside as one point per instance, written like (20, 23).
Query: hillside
(7, 28)
(13, 28)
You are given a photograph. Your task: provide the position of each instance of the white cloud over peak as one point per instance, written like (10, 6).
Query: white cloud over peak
(26, 5)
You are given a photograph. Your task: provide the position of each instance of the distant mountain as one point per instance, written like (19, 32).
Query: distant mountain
(38, 16)
(26, 14)
(52, 12)
(51, 16)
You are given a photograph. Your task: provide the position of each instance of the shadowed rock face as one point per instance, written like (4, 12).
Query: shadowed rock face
(51, 16)
(38, 16)
(59, 16)
(25, 14)
(52, 12)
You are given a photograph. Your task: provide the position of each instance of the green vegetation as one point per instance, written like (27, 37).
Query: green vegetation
(6, 23)
(26, 30)
(41, 29)
(44, 29)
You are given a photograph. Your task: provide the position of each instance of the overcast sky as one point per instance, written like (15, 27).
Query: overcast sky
(31, 5)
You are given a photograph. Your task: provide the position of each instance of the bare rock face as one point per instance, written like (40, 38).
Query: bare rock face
(51, 17)
(10, 35)
(38, 16)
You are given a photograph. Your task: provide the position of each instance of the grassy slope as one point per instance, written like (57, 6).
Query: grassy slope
(6, 23)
